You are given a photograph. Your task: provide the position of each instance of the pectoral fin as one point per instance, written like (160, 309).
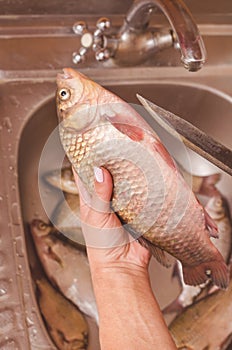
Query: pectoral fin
(158, 253)
(133, 132)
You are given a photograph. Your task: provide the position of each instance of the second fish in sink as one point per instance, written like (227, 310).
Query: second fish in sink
(66, 266)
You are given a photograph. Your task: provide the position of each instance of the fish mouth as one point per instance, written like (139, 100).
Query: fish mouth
(68, 73)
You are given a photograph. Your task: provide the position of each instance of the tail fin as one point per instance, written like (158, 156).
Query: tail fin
(216, 270)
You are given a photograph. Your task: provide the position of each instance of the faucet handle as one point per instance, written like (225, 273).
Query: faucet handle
(96, 40)
(81, 28)
(102, 25)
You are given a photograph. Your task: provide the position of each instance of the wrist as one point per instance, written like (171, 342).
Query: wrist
(130, 257)
(119, 275)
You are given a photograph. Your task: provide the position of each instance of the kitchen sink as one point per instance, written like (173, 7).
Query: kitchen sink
(29, 120)
(30, 146)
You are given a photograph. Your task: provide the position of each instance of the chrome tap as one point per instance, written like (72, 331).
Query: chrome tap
(135, 42)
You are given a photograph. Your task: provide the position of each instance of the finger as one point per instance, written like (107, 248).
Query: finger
(103, 183)
(96, 208)
(100, 226)
(103, 187)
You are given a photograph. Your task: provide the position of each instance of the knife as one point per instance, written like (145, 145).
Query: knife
(191, 136)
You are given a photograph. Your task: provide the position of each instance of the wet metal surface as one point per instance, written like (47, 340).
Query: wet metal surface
(28, 116)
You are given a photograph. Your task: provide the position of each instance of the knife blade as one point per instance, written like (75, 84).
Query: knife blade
(192, 137)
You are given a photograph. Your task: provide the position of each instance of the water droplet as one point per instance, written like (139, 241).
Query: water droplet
(33, 334)
(7, 123)
(29, 322)
(6, 320)
(19, 246)
(11, 167)
(4, 287)
(15, 213)
(2, 291)
(1, 198)
(2, 260)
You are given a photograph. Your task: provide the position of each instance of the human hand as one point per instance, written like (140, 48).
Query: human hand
(119, 268)
(108, 243)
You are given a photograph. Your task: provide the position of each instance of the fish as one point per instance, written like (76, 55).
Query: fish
(203, 185)
(66, 215)
(205, 325)
(66, 218)
(218, 209)
(63, 179)
(66, 324)
(150, 196)
(65, 266)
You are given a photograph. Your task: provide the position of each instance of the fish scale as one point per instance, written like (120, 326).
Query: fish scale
(98, 156)
(161, 210)
(120, 169)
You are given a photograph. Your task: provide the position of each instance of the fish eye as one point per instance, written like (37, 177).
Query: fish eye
(42, 226)
(64, 94)
(219, 203)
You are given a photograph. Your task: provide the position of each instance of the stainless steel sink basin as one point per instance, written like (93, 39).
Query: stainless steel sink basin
(208, 109)
(28, 117)
(36, 118)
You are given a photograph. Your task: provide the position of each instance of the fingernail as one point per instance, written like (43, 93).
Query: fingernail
(98, 173)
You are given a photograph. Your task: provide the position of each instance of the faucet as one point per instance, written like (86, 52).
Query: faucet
(135, 42)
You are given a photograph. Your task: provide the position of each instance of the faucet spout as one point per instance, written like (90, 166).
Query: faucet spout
(185, 31)
(135, 42)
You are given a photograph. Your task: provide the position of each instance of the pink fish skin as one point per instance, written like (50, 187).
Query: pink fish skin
(97, 128)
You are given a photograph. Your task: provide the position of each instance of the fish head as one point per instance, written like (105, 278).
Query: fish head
(62, 179)
(41, 233)
(46, 243)
(76, 100)
(216, 207)
(40, 228)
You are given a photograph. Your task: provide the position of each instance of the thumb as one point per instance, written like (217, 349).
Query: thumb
(97, 216)
(103, 183)
(103, 186)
